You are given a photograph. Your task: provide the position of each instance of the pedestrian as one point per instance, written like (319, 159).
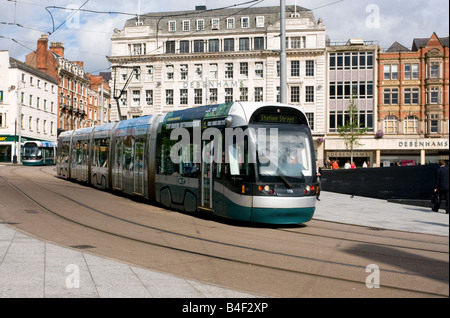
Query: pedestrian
(335, 165)
(441, 187)
(365, 164)
(319, 177)
(353, 165)
(347, 165)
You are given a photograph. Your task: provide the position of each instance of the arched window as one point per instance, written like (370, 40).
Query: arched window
(390, 125)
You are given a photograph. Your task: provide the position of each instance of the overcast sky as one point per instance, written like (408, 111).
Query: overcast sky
(87, 36)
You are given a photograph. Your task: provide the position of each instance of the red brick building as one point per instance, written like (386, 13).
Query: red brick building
(413, 100)
(79, 102)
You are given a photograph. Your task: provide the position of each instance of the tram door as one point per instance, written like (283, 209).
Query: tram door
(118, 162)
(84, 161)
(139, 166)
(207, 176)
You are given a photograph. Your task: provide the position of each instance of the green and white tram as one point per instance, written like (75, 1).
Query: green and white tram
(245, 161)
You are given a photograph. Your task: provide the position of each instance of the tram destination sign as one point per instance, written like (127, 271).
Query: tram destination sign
(278, 118)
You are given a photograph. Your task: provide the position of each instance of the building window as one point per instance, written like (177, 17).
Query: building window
(123, 99)
(169, 96)
(228, 45)
(411, 96)
(186, 25)
(198, 71)
(259, 94)
(310, 117)
(228, 95)
(295, 94)
(243, 94)
(149, 97)
(230, 23)
(310, 68)
(213, 71)
(433, 70)
(433, 95)
(309, 94)
(213, 45)
(390, 124)
(411, 71)
(245, 22)
(199, 46)
(200, 25)
(433, 122)
(149, 73)
(243, 70)
(136, 98)
(259, 70)
(410, 125)
(215, 24)
(244, 44)
(258, 43)
(184, 71)
(183, 96)
(391, 72)
(198, 96)
(260, 22)
(213, 95)
(172, 26)
(390, 96)
(229, 70)
(298, 42)
(295, 68)
(184, 46)
(2, 120)
(170, 47)
(169, 72)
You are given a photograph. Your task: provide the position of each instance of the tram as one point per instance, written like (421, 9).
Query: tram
(39, 153)
(245, 161)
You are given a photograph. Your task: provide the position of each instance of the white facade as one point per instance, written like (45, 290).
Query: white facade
(28, 99)
(177, 60)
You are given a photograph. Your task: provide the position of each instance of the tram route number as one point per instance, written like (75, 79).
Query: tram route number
(238, 307)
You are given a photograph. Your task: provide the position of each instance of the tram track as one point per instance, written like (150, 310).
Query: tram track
(236, 249)
(361, 233)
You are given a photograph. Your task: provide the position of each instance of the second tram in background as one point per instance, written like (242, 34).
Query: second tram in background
(212, 172)
(39, 153)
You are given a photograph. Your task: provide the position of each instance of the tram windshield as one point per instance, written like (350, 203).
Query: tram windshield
(31, 151)
(284, 154)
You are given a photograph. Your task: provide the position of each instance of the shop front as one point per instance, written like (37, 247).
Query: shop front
(385, 152)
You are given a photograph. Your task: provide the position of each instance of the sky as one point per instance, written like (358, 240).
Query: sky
(86, 36)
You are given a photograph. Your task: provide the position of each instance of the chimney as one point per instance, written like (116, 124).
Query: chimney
(57, 48)
(41, 53)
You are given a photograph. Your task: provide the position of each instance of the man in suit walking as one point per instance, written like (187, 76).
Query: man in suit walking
(441, 186)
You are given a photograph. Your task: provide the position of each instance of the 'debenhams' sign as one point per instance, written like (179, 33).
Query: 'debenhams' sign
(423, 143)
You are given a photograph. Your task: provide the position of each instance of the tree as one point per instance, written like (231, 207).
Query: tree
(351, 131)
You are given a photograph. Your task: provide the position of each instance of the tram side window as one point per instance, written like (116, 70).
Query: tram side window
(186, 167)
(239, 165)
(101, 152)
(128, 153)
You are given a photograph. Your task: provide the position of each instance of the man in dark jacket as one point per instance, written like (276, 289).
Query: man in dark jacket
(441, 186)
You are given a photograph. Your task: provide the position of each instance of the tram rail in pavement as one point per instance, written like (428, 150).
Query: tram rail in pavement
(33, 268)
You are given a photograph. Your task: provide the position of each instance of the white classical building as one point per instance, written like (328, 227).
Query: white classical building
(173, 60)
(28, 106)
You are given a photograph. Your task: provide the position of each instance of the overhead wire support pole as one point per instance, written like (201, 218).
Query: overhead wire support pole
(283, 67)
(117, 98)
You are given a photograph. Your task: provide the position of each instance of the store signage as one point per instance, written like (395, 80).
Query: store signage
(423, 144)
(212, 84)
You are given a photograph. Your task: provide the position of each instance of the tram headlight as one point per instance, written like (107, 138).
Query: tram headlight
(308, 188)
(266, 188)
